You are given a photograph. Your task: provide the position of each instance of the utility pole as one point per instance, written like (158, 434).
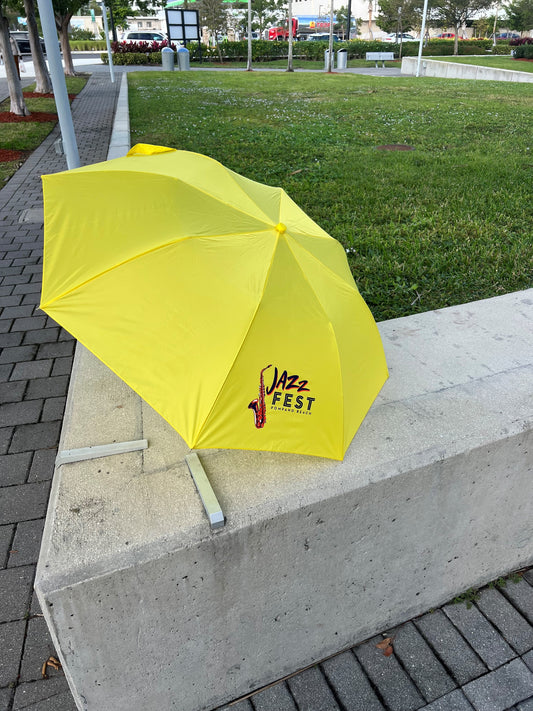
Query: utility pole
(349, 21)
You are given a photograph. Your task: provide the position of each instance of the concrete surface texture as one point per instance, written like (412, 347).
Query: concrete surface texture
(434, 494)
(456, 70)
(436, 654)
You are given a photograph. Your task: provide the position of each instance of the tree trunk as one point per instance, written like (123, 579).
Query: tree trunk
(18, 105)
(43, 83)
(456, 41)
(62, 25)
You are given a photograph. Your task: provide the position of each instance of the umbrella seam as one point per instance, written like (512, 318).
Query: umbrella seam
(325, 266)
(329, 323)
(259, 301)
(175, 178)
(139, 256)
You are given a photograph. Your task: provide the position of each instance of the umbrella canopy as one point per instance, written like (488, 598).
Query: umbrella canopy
(216, 298)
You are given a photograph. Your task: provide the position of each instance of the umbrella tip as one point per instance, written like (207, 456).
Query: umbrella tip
(281, 228)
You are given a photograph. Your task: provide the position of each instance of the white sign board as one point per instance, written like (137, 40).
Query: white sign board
(183, 25)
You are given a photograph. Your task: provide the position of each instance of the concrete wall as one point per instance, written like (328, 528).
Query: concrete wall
(455, 70)
(151, 610)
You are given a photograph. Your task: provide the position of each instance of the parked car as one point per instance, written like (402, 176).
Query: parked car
(22, 39)
(322, 37)
(143, 36)
(446, 35)
(508, 36)
(403, 36)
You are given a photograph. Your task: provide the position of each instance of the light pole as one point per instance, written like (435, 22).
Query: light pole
(349, 21)
(106, 31)
(422, 33)
(57, 75)
(289, 59)
(330, 45)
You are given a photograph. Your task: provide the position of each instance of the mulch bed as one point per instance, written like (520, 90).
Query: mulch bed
(35, 117)
(33, 95)
(7, 155)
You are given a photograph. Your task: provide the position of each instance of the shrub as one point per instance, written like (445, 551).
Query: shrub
(139, 47)
(87, 45)
(524, 51)
(132, 58)
(77, 33)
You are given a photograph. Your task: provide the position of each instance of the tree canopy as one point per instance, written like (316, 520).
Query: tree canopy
(520, 15)
(399, 15)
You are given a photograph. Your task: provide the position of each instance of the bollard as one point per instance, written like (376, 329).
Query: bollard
(167, 59)
(183, 59)
(342, 59)
(326, 53)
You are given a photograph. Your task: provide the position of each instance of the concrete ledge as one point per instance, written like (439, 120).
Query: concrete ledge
(455, 70)
(119, 144)
(151, 610)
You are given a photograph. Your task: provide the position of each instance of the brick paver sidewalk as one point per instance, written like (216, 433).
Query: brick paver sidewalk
(35, 363)
(453, 659)
(457, 658)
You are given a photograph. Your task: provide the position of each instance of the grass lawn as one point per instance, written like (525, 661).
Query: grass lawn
(516, 65)
(297, 64)
(28, 136)
(448, 222)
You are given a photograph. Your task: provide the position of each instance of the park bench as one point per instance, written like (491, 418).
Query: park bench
(379, 57)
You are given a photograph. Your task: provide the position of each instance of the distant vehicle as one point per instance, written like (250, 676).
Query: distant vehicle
(255, 36)
(446, 35)
(282, 33)
(22, 39)
(404, 36)
(508, 36)
(143, 36)
(322, 37)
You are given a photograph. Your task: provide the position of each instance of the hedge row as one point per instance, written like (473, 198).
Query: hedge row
(264, 51)
(87, 45)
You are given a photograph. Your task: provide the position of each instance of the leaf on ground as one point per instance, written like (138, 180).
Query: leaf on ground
(384, 643)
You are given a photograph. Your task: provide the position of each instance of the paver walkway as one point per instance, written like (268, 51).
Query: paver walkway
(35, 363)
(452, 659)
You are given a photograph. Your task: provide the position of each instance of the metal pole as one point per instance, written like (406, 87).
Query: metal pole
(249, 64)
(290, 38)
(109, 55)
(330, 52)
(59, 85)
(422, 33)
(349, 21)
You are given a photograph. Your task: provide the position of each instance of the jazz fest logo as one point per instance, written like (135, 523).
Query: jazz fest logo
(285, 390)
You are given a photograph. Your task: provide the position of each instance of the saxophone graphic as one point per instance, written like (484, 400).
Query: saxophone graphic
(258, 405)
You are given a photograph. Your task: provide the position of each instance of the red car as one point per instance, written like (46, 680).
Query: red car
(446, 35)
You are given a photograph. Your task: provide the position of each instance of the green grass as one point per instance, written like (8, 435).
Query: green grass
(297, 64)
(516, 65)
(28, 136)
(446, 223)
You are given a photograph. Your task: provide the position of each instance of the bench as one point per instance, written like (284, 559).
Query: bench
(379, 57)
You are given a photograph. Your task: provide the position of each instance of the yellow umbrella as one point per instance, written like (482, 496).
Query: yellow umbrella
(215, 298)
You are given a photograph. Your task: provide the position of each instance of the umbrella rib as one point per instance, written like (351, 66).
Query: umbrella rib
(332, 328)
(259, 301)
(330, 271)
(138, 256)
(232, 174)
